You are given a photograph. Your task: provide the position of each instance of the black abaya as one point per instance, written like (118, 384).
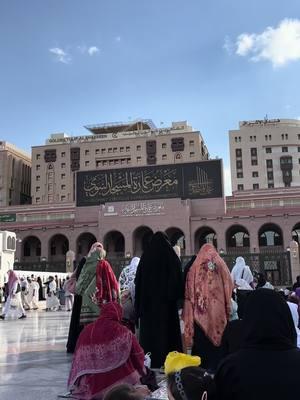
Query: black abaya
(158, 291)
(75, 327)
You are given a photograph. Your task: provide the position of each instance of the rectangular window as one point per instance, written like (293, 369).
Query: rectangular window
(240, 187)
(286, 136)
(63, 154)
(268, 150)
(282, 136)
(63, 165)
(98, 163)
(87, 152)
(235, 139)
(298, 149)
(164, 145)
(285, 149)
(239, 175)
(139, 159)
(63, 187)
(63, 176)
(254, 162)
(298, 136)
(270, 185)
(254, 174)
(115, 149)
(255, 186)
(192, 142)
(254, 138)
(37, 189)
(250, 138)
(127, 149)
(103, 151)
(270, 137)
(270, 176)
(253, 151)
(97, 151)
(38, 178)
(192, 154)
(38, 200)
(238, 152)
(38, 157)
(239, 164)
(266, 137)
(164, 156)
(62, 198)
(269, 163)
(122, 149)
(109, 149)
(240, 139)
(87, 163)
(138, 148)
(38, 167)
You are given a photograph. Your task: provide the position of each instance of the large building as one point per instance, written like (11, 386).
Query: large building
(265, 154)
(109, 146)
(15, 175)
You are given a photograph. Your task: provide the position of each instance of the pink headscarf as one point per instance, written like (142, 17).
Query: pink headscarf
(12, 278)
(94, 248)
(207, 296)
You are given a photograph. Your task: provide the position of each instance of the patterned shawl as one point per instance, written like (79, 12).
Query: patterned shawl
(207, 296)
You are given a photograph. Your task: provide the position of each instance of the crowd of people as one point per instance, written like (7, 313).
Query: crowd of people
(216, 334)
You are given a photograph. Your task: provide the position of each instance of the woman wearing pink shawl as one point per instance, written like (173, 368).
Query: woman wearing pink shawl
(207, 305)
(14, 301)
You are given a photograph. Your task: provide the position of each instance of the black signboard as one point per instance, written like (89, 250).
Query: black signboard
(199, 180)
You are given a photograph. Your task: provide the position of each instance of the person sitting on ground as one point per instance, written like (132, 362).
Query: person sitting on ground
(107, 353)
(191, 383)
(267, 365)
(127, 392)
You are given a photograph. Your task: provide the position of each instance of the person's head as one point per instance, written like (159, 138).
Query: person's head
(97, 247)
(123, 392)
(191, 383)
(261, 280)
(268, 324)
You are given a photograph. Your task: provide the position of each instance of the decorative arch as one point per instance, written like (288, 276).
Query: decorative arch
(58, 247)
(84, 243)
(114, 244)
(141, 238)
(237, 239)
(176, 237)
(270, 236)
(203, 235)
(31, 249)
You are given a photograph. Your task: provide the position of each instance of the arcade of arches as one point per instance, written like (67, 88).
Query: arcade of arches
(237, 240)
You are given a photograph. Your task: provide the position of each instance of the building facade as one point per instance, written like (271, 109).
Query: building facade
(109, 146)
(265, 154)
(15, 175)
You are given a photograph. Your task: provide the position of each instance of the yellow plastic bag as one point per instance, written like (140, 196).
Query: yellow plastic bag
(176, 361)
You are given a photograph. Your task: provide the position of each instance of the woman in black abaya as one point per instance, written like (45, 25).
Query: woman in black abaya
(158, 292)
(268, 364)
(75, 328)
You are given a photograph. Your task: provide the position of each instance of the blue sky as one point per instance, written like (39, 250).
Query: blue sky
(69, 63)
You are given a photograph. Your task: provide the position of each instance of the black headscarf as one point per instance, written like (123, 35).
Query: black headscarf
(159, 275)
(268, 323)
(261, 280)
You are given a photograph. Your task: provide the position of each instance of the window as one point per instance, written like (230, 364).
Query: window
(298, 136)
(38, 200)
(50, 187)
(115, 149)
(63, 165)
(270, 175)
(97, 151)
(254, 162)
(103, 151)
(164, 145)
(109, 149)
(63, 187)
(164, 156)
(63, 154)
(239, 164)
(286, 136)
(38, 188)
(250, 138)
(270, 137)
(236, 139)
(266, 137)
(38, 157)
(63, 176)
(285, 149)
(239, 175)
(255, 186)
(254, 137)
(268, 149)
(270, 185)
(192, 142)
(240, 139)
(282, 136)
(127, 149)
(87, 163)
(38, 178)
(139, 159)
(238, 152)
(98, 163)
(269, 163)
(253, 151)
(254, 174)
(62, 198)
(298, 149)
(38, 167)
(192, 154)
(138, 148)
(240, 187)
(87, 152)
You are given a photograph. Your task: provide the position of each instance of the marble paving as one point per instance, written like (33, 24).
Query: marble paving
(33, 359)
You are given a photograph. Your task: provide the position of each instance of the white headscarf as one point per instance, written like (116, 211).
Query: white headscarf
(294, 311)
(243, 285)
(126, 279)
(241, 271)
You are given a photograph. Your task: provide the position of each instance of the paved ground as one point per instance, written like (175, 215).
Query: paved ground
(33, 361)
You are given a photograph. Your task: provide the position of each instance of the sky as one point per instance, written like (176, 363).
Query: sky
(69, 63)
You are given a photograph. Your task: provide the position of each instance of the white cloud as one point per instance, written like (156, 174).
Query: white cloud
(279, 45)
(60, 55)
(93, 50)
(227, 181)
(118, 38)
